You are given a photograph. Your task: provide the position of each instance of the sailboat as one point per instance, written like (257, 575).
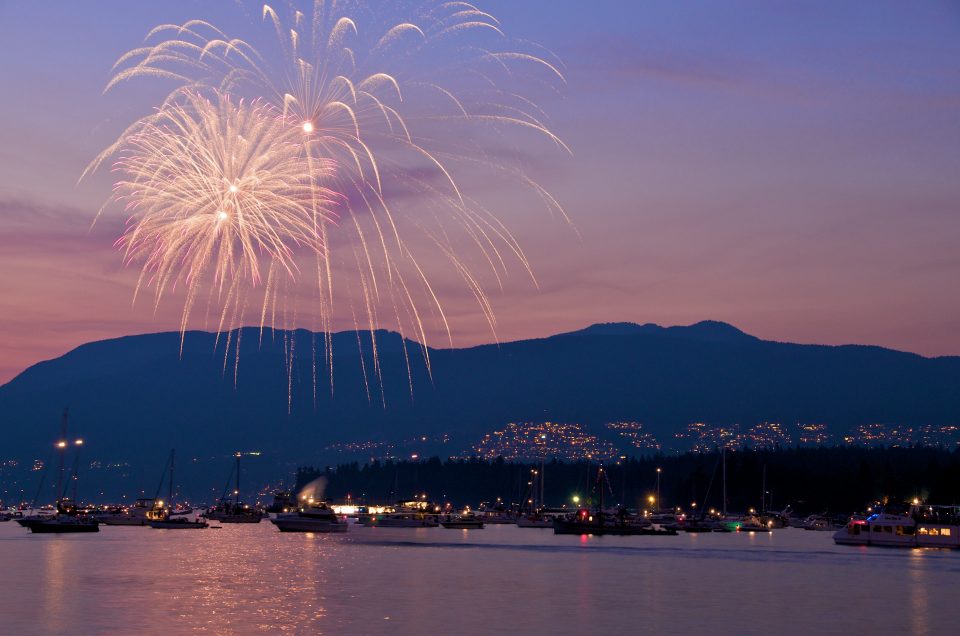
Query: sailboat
(67, 518)
(227, 511)
(598, 523)
(534, 517)
(160, 517)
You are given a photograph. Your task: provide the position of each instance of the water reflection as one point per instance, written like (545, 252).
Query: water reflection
(55, 562)
(918, 593)
(253, 579)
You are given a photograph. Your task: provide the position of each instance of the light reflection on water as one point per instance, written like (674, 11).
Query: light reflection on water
(502, 579)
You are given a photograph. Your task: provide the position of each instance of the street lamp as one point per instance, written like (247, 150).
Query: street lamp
(658, 487)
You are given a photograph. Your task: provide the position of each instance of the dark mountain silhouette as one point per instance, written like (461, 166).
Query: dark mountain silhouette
(137, 396)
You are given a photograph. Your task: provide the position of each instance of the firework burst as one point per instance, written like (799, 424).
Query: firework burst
(382, 109)
(217, 193)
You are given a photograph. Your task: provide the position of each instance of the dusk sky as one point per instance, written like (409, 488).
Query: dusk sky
(793, 169)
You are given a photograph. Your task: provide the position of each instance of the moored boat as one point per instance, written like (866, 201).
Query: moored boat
(462, 522)
(177, 523)
(67, 518)
(535, 520)
(135, 515)
(60, 524)
(235, 511)
(599, 523)
(162, 516)
(316, 518)
(817, 522)
(921, 526)
(405, 520)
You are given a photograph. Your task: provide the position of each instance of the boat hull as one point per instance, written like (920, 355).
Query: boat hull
(525, 522)
(309, 525)
(49, 526)
(386, 522)
(572, 527)
(178, 525)
(462, 525)
(123, 521)
(225, 518)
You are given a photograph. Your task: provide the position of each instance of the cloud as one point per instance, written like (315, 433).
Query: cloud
(34, 227)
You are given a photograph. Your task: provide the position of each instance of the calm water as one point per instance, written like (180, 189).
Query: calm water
(502, 579)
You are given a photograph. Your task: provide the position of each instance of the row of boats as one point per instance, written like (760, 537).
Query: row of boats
(919, 525)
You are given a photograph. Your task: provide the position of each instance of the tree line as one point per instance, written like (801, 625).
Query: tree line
(835, 479)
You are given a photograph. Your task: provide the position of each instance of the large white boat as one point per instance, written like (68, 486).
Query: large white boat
(135, 515)
(317, 518)
(411, 513)
(922, 526)
(406, 520)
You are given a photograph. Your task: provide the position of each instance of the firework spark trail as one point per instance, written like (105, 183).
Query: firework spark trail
(216, 191)
(363, 112)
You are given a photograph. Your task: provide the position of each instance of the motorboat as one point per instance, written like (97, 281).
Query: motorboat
(316, 518)
(817, 522)
(753, 523)
(60, 524)
(496, 514)
(462, 522)
(67, 518)
(535, 520)
(135, 515)
(405, 520)
(177, 523)
(921, 526)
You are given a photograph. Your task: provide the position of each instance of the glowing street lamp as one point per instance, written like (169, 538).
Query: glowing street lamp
(658, 486)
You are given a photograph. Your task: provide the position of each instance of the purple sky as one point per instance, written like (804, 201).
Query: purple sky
(793, 169)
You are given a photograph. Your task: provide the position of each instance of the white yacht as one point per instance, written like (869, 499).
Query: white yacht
(923, 526)
(135, 515)
(316, 518)
(406, 520)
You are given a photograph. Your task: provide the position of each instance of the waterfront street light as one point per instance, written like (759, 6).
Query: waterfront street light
(658, 487)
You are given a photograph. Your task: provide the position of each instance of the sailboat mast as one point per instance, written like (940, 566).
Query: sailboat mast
(237, 491)
(170, 498)
(543, 504)
(62, 446)
(763, 492)
(723, 456)
(600, 484)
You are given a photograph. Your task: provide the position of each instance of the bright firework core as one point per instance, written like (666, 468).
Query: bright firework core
(307, 127)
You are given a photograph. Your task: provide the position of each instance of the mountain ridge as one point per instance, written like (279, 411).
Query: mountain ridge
(136, 396)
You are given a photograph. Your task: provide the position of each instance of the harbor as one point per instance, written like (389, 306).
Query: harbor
(247, 578)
